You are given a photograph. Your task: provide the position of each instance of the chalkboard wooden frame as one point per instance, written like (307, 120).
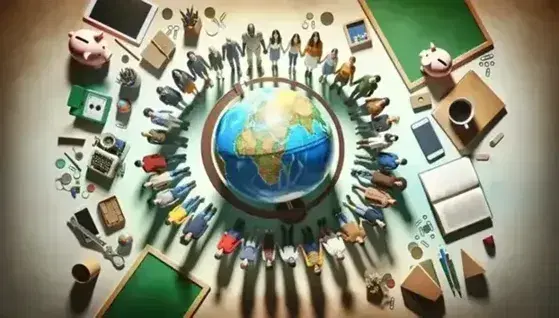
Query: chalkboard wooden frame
(457, 62)
(160, 256)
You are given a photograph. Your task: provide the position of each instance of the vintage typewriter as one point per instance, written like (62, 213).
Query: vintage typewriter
(107, 156)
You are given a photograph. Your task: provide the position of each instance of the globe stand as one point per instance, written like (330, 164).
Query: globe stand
(292, 212)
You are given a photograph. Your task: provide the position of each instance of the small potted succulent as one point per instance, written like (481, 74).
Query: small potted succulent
(129, 83)
(192, 24)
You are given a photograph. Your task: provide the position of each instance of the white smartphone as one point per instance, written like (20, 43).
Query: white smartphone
(428, 140)
(127, 19)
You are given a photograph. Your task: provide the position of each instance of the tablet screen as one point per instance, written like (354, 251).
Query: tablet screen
(125, 16)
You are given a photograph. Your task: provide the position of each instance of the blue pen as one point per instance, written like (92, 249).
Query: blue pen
(444, 264)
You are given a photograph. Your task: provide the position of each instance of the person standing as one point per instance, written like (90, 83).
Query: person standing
(377, 124)
(231, 49)
(381, 141)
(329, 65)
(163, 137)
(376, 197)
(312, 252)
(332, 242)
(388, 161)
(164, 118)
(158, 162)
(381, 179)
(170, 96)
(275, 47)
(185, 82)
(198, 67)
(196, 227)
(370, 214)
(230, 239)
(288, 251)
(268, 249)
(366, 86)
(344, 75)
(250, 250)
(373, 106)
(252, 41)
(351, 232)
(313, 54)
(294, 52)
(216, 62)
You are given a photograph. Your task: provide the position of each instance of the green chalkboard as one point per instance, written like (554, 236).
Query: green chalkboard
(154, 287)
(406, 27)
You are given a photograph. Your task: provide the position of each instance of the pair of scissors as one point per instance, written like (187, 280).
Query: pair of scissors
(174, 28)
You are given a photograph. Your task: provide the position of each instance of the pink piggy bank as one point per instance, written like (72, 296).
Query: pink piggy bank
(88, 47)
(435, 62)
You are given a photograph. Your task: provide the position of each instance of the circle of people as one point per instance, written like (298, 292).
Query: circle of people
(373, 186)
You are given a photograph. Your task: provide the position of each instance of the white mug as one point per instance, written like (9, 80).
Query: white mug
(461, 112)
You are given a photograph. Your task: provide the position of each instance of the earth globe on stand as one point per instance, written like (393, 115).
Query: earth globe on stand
(273, 146)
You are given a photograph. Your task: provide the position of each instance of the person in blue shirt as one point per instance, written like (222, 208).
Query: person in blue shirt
(388, 161)
(196, 227)
(171, 196)
(370, 214)
(164, 118)
(250, 251)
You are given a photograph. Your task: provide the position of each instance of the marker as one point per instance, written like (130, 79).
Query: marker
(444, 265)
(453, 274)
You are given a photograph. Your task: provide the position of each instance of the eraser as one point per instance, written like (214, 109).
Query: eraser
(482, 157)
(420, 101)
(496, 140)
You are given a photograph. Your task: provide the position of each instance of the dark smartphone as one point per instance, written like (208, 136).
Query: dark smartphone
(428, 140)
(85, 220)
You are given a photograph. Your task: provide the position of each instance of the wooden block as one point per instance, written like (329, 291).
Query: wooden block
(420, 101)
(470, 266)
(488, 109)
(111, 213)
(159, 50)
(419, 282)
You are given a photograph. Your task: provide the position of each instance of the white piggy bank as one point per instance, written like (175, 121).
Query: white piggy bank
(435, 62)
(88, 47)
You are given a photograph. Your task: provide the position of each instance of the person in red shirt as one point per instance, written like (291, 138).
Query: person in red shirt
(231, 239)
(158, 162)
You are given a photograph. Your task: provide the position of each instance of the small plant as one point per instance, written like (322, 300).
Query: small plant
(127, 77)
(190, 18)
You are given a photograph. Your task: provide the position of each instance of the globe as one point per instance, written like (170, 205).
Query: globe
(273, 146)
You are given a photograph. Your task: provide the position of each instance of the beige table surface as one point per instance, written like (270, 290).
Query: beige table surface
(38, 250)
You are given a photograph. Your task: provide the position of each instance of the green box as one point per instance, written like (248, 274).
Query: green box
(89, 104)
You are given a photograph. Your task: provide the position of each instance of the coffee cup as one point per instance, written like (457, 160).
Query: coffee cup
(461, 112)
(85, 271)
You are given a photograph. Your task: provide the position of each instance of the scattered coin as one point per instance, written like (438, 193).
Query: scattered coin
(309, 16)
(209, 12)
(327, 18)
(167, 13)
(124, 59)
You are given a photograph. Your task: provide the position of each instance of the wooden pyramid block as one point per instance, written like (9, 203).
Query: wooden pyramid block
(419, 282)
(470, 266)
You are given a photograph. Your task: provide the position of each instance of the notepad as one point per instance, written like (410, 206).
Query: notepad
(455, 194)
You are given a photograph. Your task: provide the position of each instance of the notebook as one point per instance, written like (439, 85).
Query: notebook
(456, 195)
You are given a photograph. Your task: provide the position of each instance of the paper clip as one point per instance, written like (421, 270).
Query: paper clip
(424, 243)
(487, 57)
(487, 72)
(392, 301)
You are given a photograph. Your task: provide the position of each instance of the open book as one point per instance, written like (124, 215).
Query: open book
(455, 194)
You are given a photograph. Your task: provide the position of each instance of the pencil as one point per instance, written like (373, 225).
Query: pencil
(453, 274)
(442, 259)
(127, 50)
